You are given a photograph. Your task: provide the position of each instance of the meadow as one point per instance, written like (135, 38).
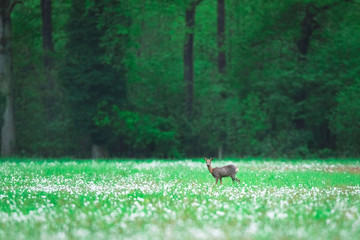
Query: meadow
(157, 199)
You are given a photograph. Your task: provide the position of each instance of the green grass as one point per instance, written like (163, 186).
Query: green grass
(178, 200)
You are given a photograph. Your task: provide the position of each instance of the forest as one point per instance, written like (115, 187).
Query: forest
(180, 78)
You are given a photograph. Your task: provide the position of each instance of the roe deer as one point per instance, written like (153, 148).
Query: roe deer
(220, 172)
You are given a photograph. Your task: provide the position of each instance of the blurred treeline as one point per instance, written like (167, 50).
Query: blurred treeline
(184, 78)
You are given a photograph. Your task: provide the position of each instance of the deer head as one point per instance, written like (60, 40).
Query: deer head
(208, 161)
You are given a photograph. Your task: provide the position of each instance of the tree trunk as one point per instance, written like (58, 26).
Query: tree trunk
(8, 128)
(221, 36)
(189, 58)
(308, 26)
(221, 68)
(50, 96)
(220, 152)
(48, 45)
(98, 152)
(6, 82)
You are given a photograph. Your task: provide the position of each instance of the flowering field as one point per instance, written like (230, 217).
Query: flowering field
(178, 200)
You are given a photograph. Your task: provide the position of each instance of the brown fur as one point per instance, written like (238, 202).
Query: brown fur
(220, 172)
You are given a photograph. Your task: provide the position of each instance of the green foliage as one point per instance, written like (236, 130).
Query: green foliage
(37, 134)
(346, 119)
(140, 133)
(290, 87)
(87, 75)
(253, 125)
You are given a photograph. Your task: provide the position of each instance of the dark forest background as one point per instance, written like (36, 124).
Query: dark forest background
(181, 78)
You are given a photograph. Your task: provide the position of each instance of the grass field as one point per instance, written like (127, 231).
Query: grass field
(178, 200)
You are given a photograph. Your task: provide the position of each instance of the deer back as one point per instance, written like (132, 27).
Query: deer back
(225, 171)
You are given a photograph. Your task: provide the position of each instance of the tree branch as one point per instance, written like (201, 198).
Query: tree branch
(195, 3)
(198, 2)
(334, 4)
(12, 6)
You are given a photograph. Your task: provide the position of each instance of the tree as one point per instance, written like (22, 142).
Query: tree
(268, 78)
(6, 80)
(221, 63)
(51, 96)
(91, 82)
(221, 36)
(189, 56)
(346, 118)
(48, 44)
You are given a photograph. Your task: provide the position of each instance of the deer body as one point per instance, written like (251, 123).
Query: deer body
(220, 172)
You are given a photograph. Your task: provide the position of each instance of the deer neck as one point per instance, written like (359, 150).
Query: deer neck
(210, 169)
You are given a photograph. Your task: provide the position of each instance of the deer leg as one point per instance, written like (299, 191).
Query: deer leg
(235, 179)
(216, 181)
(220, 181)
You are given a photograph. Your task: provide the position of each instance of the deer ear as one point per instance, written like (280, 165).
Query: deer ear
(204, 158)
(211, 159)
